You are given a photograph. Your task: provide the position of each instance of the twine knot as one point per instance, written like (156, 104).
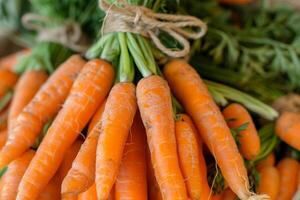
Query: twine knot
(122, 17)
(68, 34)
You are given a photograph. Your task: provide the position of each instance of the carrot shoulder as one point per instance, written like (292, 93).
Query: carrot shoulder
(27, 86)
(87, 93)
(191, 160)
(236, 116)
(12, 177)
(193, 94)
(116, 122)
(44, 106)
(132, 179)
(154, 100)
(82, 173)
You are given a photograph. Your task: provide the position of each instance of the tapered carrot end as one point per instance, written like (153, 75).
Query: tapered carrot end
(259, 197)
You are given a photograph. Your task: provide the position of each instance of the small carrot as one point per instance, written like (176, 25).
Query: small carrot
(193, 94)
(7, 81)
(90, 194)
(191, 159)
(287, 128)
(82, 173)
(132, 179)
(236, 116)
(228, 195)
(154, 100)
(269, 182)
(3, 137)
(9, 62)
(288, 171)
(27, 86)
(12, 177)
(116, 122)
(44, 106)
(268, 161)
(87, 93)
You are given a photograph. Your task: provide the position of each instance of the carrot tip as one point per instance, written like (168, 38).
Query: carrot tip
(259, 197)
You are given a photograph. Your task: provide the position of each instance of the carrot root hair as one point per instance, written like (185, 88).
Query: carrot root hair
(259, 197)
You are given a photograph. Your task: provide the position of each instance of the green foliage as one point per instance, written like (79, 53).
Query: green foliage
(2, 171)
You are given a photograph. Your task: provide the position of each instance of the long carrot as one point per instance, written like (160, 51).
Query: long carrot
(116, 122)
(44, 106)
(7, 81)
(287, 128)
(87, 93)
(193, 94)
(82, 173)
(191, 159)
(90, 194)
(12, 177)
(236, 116)
(288, 171)
(268, 161)
(27, 86)
(132, 179)
(9, 62)
(3, 137)
(269, 182)
(154, 100)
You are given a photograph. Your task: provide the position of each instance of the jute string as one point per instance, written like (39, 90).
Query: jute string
(68, 34)
(122, 17)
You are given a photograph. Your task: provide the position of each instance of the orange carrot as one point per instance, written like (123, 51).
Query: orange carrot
(132, 179)
(87, 93)
(90, 194)
(4, 118)
(235, 2)
(44, 106)
(27, 86)
(268, 161)
(191, 158)
(9, 62)
(193, 94)
(236, 116)
(3, 137)
(287, 128)
(52, 190)
(116, 122)
(228, 195)
(269, 182)
(216, 197)
(288, 171)
(154, 100)
(7, 81)
(82, 173)
(12, 177)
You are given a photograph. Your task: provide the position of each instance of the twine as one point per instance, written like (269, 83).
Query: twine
(144, 21)
(69, 34)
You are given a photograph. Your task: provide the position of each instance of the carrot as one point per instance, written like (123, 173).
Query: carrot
(4, 118)
(116, 122)
(288, 171)
(216, 197)
(132, 179)
(82, 173)
(9, 62)
(193, 94)
(87, 93)
(44, 106)
(287, 128)
(27, 86)
(191, 159)
(236, 116)
(268, 161)
(3, 137)
(269, 182)
(7, 81)
(52, 190)
(90, 194)
(235, 2)
(154, 100)
(228, 195)
(12, 177)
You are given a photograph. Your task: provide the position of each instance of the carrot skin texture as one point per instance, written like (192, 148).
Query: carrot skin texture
(44, 106)
(287, 128)
(269, 182)
(27, 86)
(82, 173)
(288, 171)
(194, 96)
(116, 122)
(90, 194)
(154, 100)
(249, 139)
(7, 81)
(132, 179)
(12, 177)
(87, 93)
(189, 151)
